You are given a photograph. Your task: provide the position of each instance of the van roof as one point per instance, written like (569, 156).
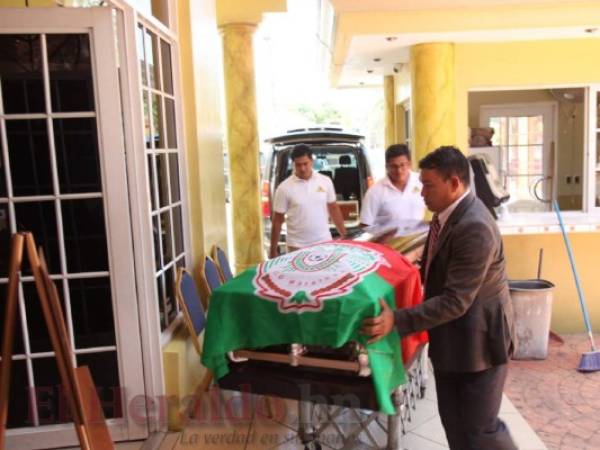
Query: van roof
(315, 135)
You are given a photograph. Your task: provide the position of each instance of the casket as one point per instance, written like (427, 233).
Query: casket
(290, 326)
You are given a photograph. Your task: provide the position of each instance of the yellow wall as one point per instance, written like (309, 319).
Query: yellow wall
(521, 65)
(526, 65)
(522, 259)
(201, 92)
(183, 373)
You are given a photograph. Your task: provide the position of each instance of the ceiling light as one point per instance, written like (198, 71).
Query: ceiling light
(369, 70)
(377, 59)
(362, 83)
(591, 30)
(391, 38)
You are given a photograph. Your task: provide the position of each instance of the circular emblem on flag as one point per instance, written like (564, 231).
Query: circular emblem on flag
(302, 280)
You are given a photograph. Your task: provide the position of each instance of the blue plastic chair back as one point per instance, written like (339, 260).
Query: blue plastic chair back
(193, 303)
(212, 274)
(224, 264)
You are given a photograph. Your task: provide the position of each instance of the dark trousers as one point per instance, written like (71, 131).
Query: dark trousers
(469, 404)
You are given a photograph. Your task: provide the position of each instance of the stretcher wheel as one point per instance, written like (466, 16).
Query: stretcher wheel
(313, 445)
(423, 388)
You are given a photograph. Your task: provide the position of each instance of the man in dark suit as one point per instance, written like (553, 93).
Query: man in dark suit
(467, 307)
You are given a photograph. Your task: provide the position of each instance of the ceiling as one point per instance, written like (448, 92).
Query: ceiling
(370, 43)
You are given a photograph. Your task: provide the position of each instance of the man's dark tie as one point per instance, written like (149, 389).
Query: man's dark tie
(434, 232)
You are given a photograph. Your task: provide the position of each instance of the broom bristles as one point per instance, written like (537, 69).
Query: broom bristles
(590, 362)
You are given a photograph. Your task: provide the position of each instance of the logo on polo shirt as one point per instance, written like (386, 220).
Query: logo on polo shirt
(320, 189)
(416, 189)
(302, 280)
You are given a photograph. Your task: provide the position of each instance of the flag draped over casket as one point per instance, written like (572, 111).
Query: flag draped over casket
(317, 296)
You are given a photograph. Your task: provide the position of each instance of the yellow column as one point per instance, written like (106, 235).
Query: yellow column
(433, 97)
(389, 99)
(242, 143)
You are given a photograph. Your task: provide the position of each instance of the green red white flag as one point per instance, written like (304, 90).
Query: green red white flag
(317, 296)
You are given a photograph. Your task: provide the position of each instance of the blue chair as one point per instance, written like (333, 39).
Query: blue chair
(220, 258)
(194, 318)
(190, 304)
(211, 273)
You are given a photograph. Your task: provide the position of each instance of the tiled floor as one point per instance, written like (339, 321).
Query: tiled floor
(560, 403)
(237, 430)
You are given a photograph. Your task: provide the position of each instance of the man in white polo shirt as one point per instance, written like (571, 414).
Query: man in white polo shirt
(305, 201)
(397, 197)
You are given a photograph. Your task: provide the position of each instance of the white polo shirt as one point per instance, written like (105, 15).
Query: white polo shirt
(304, 202)
(385, 206)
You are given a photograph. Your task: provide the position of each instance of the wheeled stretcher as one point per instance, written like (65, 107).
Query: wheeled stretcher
(334, 387)
(328, 384)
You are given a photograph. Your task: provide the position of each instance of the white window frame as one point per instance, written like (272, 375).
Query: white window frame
(592, 132)
(98, 23)
(153, 340)
(546, 109)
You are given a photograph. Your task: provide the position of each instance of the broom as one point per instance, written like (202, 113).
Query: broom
(590, 361)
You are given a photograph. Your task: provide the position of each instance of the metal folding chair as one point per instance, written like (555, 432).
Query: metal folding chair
(222, 263)
(209, 280)
(194, 318)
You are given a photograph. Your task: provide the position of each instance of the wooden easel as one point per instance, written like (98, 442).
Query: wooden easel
(79, 388)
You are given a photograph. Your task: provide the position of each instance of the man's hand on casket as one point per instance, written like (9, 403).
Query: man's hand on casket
(378, 327)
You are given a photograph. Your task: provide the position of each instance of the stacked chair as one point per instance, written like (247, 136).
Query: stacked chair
(193, 304)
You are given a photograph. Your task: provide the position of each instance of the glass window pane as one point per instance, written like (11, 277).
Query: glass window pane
(151, 46)
(598, 149)
(21, 74)
(170, 120)
(4, 240)
(19, 413)
(598, 189)
(151, 181)
(29, 157)
(167, 237)
(536, 130)
(39, 339)
(76, 146)
(147, 129)
(141, 54)
(157, 122)
(160, 290)
(167, 70)
(84, 235)
(92, 312)
(40, 219)
(51, 409)
(18, 347)
(178, 230)
(3, 186)
(70, 68)
(174, 177)
(163, 182)
(156, 233)
(105, 373)
(170, 298)
(598, 110)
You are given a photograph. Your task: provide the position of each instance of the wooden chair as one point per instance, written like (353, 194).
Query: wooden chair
(220, 259)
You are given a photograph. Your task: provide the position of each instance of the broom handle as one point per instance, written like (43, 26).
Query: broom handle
(584, 310)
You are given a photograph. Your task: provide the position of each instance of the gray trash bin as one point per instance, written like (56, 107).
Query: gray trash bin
(532, 304)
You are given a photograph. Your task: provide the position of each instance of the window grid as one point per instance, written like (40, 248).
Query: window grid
(510, 137)
(62, 278)
(160, 146)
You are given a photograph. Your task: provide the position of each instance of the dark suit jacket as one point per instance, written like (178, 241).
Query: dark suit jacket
(467, 307)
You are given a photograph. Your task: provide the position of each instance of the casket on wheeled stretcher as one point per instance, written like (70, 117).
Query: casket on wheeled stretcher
(290, 328)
